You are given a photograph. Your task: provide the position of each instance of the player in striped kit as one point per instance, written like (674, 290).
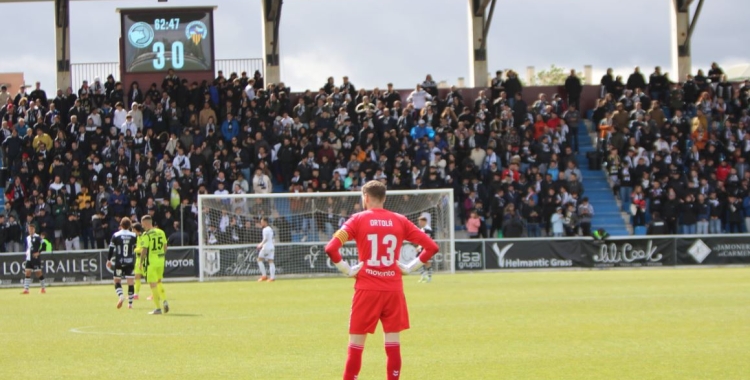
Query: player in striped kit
(121, 260)
(33, 259)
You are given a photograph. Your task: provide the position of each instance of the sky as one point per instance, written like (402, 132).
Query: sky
(379, 41)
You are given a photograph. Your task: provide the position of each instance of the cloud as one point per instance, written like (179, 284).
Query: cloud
(311, 69)
(401, 41)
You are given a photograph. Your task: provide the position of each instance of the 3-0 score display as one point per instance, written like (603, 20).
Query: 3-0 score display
(159, 39)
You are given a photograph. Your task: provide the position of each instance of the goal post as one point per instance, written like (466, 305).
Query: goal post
(229, 230)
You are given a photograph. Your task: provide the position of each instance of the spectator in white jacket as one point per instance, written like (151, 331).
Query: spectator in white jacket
(418, 98)
(261, 183)
(128, 125)
(250, 89)
(137, 113)
(119, 114)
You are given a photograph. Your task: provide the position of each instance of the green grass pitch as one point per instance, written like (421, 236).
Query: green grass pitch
(640, 324)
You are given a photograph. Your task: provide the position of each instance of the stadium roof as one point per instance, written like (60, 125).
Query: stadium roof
(738, 73)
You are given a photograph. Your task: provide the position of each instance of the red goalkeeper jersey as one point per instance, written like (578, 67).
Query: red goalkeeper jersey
(379, 234)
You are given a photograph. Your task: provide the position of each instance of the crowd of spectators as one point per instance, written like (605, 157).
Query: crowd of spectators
(677, 153)
(79, 161)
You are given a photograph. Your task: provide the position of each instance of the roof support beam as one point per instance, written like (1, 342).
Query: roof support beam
(62, 43)
(682, 30)
(271, 21)
(479, 27)
(695, 19)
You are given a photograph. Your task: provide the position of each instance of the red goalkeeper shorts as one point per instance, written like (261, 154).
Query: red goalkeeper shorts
(371, 306)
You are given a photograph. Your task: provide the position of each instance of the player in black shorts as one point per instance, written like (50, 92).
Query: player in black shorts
(33, 259)
(122, 260)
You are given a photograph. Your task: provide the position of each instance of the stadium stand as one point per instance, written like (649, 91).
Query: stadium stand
(104, 152)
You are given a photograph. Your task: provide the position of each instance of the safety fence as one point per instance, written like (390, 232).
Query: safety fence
(80, 72)
(469, 255)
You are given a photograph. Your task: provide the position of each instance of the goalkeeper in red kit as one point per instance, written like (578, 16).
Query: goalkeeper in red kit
(379, 291)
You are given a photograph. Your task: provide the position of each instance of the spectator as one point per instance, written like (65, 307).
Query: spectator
(261, 182)
(636, 80)
(638, 206)
(703, 214)
(585, 215)
(71, 233)
(657, 85)
(735, 215)
(421, 130)
(178, 238)
(714, 75)
(230, 128)
(419, 98)
(657, 225)
(557, 222)
(571, 222)
(497, 85)
(512, 223)
(473, 224)
(574, 88)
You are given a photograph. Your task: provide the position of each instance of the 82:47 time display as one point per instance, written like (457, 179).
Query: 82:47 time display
(166, 24)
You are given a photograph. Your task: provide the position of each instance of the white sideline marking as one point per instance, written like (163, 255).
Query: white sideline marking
(79, 330)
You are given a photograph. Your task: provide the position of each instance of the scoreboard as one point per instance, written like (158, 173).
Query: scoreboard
(159, 39)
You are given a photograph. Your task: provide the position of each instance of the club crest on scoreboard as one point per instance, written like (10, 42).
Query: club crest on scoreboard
(141, 35)
(196, 31)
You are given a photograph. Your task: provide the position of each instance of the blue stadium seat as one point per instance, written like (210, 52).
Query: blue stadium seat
(639, 231)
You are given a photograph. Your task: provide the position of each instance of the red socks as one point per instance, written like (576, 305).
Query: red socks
(353, 362)
(393, 352)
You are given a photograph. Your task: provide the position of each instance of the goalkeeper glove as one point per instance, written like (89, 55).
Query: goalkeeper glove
(411, 266)
(355, 269)
(348, 271)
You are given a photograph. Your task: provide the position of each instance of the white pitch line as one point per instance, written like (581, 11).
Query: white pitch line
(79, 330)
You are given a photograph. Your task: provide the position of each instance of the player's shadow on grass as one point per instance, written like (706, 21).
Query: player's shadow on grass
(183, 315)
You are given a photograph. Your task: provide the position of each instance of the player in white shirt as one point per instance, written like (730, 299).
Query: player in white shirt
(424, 225)
(266, 251)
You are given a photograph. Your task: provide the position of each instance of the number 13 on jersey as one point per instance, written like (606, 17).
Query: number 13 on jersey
(389, 242)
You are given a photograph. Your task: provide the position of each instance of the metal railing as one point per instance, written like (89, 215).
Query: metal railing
(88, 71)
(80, 72)
(229, 66)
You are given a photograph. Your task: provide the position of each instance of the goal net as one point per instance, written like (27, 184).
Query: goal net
(303, 223)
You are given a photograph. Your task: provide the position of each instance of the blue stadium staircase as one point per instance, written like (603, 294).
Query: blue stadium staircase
(607, 213)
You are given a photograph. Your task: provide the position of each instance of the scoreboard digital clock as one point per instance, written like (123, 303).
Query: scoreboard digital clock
(159, 39)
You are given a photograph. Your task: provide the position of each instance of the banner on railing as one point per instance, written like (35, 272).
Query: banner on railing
(89, 266)
(630, 252)
(180, 262)
(63, 267)
(713, 250)
(469, 255)
(523, 254)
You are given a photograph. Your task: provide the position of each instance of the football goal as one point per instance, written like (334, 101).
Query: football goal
(229, 230)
